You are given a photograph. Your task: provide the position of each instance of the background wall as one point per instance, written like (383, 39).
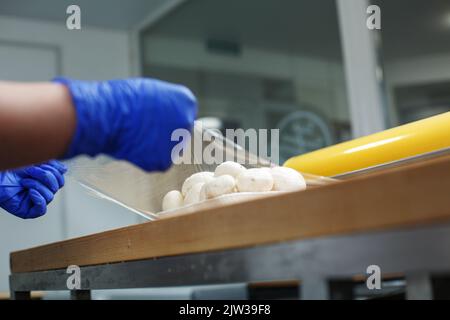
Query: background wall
(36, 50)
(254, 87)
(427, 68)
(319, 82)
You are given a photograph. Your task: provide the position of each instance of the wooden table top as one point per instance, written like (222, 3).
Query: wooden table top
(415, 194)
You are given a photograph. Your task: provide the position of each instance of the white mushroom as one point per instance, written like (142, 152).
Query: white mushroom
(204, 177)
(193, 194)
(255, 180)
(202, 196)
(219, 186)
(172, 200)
(229, 167)
(287, 179)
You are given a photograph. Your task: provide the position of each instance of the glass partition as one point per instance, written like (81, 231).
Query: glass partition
(416, 53)
(257, 64)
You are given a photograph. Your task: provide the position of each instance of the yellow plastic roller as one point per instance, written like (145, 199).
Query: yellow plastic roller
(402, 142)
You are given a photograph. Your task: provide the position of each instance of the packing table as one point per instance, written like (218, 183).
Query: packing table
(396, 218)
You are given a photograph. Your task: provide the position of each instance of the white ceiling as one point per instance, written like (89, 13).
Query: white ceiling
(415, 27)
(309, 27)
(409, 27)
(112, 14)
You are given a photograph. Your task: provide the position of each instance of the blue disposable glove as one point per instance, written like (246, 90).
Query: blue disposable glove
(130, 119)
(26, 192)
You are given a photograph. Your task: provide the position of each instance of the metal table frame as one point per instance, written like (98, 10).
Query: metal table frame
(415, 252)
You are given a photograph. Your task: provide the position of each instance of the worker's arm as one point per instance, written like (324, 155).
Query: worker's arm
(37, 122)
(131, 119)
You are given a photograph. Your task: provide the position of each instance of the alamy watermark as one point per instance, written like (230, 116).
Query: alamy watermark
(373, 281)
(373, 22)
(73, 21)
(74, 280)
(211, 147)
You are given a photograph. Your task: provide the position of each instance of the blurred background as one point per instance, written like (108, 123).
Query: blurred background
(310, 68)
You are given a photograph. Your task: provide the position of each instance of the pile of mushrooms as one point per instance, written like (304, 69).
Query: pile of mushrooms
(230, 177)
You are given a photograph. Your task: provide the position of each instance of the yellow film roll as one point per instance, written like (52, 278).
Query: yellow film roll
(401, 142)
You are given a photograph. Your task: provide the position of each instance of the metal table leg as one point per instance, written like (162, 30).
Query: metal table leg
(418, 286)
(20, 295)
(80, 295)
(314, 288)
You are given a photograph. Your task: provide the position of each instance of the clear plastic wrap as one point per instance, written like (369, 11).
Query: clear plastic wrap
(142, 192)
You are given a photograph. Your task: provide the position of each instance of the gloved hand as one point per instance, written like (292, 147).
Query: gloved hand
(26, 192)
(130, 119)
